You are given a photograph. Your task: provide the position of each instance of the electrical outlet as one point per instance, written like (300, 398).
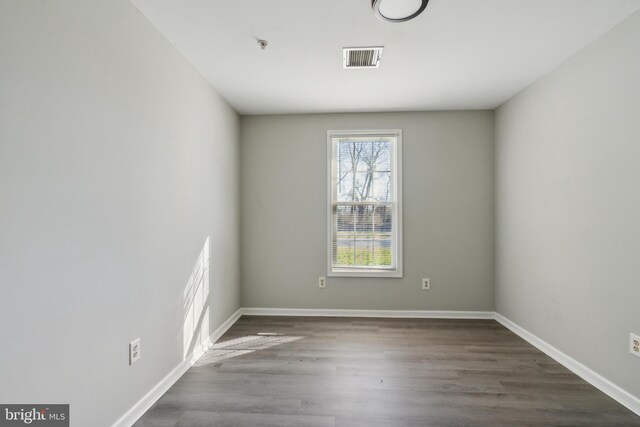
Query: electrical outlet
(322, 282)
(426, 284)
(134, 351)
(634, 345)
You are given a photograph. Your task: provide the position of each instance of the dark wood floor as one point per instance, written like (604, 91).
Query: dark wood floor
(353, 372)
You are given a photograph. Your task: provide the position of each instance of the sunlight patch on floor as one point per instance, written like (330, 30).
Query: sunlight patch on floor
(244, 345)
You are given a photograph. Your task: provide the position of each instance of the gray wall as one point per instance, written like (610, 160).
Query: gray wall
(568, 206)
(448, 212)
(117, 161)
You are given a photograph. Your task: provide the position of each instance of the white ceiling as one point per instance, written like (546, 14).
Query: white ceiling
(459, 54)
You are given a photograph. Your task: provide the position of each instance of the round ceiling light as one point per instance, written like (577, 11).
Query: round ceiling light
(398, 10)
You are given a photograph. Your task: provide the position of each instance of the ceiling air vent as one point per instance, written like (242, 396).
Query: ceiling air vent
(361, 57)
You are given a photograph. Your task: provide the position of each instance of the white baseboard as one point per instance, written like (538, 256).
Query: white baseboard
(321, 312)
(132, 415)
(215, 335)
(598, 381)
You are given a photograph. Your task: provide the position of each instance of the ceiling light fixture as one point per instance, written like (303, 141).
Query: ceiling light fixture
(398, 10)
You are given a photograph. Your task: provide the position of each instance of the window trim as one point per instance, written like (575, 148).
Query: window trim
(397, 219)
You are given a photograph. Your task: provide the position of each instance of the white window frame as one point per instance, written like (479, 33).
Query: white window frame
(396, 164)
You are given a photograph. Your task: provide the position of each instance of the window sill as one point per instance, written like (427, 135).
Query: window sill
(372, 274)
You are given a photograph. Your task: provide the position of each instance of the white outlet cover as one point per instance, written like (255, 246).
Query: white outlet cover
(426, 283)
(134, 351)
(634, 345)
(322, 282)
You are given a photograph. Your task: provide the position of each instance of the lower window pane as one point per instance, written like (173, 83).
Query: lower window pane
(358, 250)
(362, 236)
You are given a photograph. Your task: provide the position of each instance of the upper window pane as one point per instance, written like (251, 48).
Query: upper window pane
(364, 169)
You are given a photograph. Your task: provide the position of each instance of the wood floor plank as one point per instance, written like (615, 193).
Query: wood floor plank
(351, 372)
(235, 419)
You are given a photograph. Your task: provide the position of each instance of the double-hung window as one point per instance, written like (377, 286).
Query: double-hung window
(365, 203)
